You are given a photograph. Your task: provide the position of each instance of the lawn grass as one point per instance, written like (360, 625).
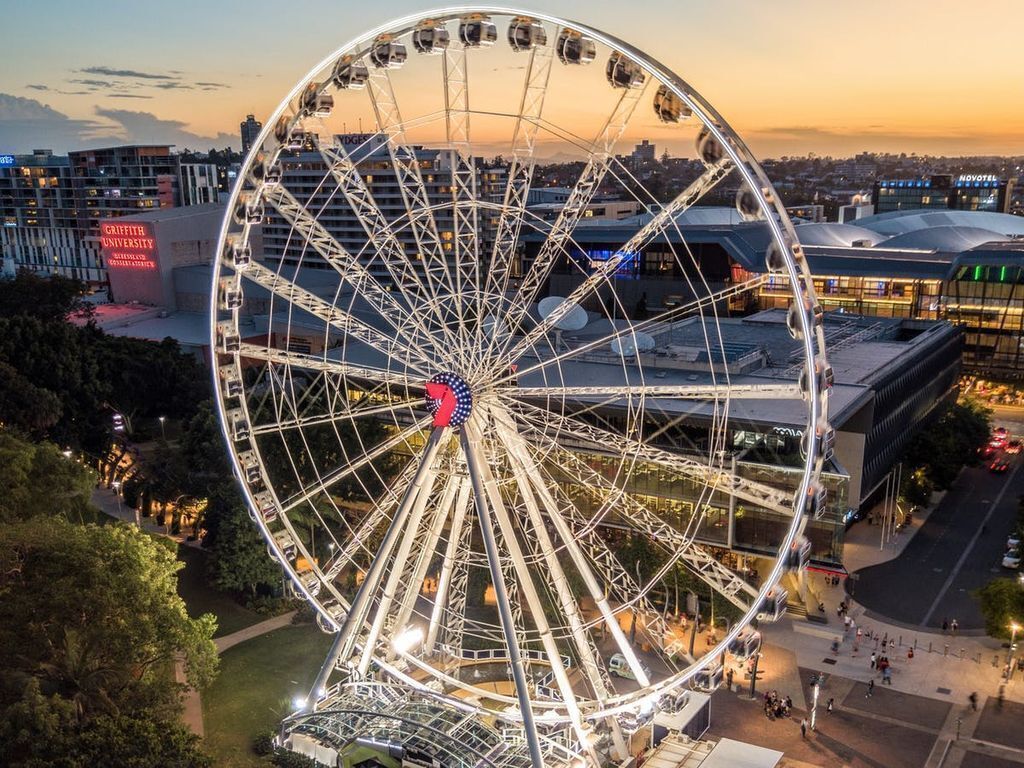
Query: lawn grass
(201, 597)
(257, 682)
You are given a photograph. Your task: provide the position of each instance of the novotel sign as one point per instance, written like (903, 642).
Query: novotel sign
(969, 177)
(127, 245)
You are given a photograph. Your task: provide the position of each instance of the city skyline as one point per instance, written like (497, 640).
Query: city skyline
(883, 79)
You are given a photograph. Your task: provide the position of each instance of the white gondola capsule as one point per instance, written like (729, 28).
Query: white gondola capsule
(708, 679)
(249, 209)
(623, 72)
(817, 316)
(230, 294)
(286, 544)
(812, 504)
(430, 37)
(668, 107)
(288, 139)
(265, 507)
(476, 31)
(773, 607)
(228, 340)
(525, 34)
(239, 424)
(822, 373)
(231, 383)
(709, 148)
(825, 441)
(315, 102)
(351, 73)
(799, 554)
(238, 252)
(775, 258)
(250, 467)
(574, 48)
(745, 645)
(747, 204)
(388, 53)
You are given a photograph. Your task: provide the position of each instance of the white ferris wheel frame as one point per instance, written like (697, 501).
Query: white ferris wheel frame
(810, 334)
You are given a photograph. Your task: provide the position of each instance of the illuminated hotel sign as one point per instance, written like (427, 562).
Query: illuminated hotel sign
(972, 177)
(130, 246)
(6, 161)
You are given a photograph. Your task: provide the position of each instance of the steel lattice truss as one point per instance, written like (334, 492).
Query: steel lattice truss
(446, 473)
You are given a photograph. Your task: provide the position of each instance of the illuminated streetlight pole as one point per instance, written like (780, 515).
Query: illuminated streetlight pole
(1014, 629)
(163, 432)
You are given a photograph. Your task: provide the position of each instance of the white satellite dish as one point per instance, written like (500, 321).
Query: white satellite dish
(573, 320)
(630, 345)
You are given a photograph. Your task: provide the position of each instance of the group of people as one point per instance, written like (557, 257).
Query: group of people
(776, 706)
(952, 626)
(883, 665)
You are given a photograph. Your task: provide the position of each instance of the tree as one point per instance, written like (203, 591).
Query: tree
(101, 606)
(240, 562)
(39, 481)
(1001, 602)
(52, 297)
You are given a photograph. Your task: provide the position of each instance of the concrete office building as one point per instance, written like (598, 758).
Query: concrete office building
(967, 192)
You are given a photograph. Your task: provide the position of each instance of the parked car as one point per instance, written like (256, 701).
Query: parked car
(999, 466)
(1012, 559)
(1012, 542)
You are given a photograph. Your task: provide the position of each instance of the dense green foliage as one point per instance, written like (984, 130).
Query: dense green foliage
(1001, 602)
(89, 624)
(943, 448)
(45, 298)
(36, 480)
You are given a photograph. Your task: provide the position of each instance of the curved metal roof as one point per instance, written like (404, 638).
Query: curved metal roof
(900, 222)
(949, 239)
(831, 233)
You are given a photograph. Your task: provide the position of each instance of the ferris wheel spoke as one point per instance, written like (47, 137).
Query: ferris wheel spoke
(349, 268)
(456, 550)
(415, 537)
(374, 520)
(486, 482)
(360, 410)
(547, 425)
(675, 391)
(347, 323)
(574, 208)
(336, 475)
(413, 191)
(527, 477)
(694, 556)
(653, 325)
(341, 368)
(388, 248)
(604, 271)
(520, 171)
(352, 626)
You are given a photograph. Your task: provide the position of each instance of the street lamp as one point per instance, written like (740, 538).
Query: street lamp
(163, 432)
(116, 485)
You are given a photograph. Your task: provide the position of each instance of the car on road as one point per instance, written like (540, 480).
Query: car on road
(1012, 559)
(986, 452)
(1000, 432)
(1012, 541)
(999, 466)
(1014, 447)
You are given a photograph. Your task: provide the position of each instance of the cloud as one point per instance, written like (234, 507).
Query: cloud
(27, 124)
(211, 86)
(128, 96)
(173, 85)
(38, 87)
(96, 84)
(145, 127)
(131, 73)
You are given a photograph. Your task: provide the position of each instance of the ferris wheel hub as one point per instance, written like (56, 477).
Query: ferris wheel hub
(449, 400)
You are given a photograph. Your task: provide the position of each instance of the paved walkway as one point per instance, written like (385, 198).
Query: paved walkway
(275, 622)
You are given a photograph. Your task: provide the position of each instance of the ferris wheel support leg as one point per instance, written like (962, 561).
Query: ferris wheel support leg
(448, 564)
(471, 447)
(346, 638)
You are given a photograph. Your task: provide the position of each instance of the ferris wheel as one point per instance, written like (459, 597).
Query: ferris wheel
(453, 422)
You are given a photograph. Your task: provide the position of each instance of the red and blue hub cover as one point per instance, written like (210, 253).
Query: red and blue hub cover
(449, 400)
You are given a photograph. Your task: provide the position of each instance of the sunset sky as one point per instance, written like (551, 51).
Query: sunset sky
(791, 76)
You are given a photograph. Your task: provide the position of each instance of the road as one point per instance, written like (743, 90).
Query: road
(950, 556)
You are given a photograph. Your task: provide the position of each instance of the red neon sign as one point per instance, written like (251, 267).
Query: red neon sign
(128, 246)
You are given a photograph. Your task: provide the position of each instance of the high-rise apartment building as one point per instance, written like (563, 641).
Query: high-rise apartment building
(52, 206)
(198, 183)
(250, 130)
(303, 174)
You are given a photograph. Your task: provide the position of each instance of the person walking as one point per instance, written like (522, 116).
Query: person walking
(871, 688)
(803, 728)
(874, 659)
(887, 676)
(828, 707)
(973, 698)
(954, 626)
(945, 625)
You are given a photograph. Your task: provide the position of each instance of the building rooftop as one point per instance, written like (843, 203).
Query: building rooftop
(178, 212)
